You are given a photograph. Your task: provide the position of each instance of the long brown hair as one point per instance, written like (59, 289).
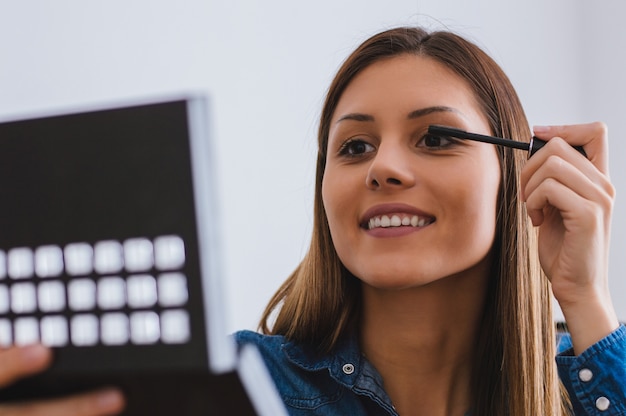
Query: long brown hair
(320, 301)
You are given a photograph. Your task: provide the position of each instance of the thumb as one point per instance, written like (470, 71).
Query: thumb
(18, 362)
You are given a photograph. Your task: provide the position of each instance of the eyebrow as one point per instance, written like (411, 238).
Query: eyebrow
(356, 117)
(434, 109)
(412, 115)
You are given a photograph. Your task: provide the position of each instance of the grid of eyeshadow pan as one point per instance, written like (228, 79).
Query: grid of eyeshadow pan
(102, 294)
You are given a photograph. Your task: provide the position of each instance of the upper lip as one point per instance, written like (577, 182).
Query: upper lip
(394, 208)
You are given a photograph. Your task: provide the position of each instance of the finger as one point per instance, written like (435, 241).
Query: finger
(104, 402)
(550, 193)
(592, 136)
(557, 147)
(585, 180)
(18, 362)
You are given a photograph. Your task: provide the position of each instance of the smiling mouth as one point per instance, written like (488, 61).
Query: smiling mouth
(398, 220)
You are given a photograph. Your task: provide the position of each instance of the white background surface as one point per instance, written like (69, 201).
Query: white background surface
(266, 66)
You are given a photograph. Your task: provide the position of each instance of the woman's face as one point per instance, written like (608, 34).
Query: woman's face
(404, 208)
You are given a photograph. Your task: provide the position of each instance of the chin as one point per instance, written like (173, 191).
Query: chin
(397, 281)
(386, 278)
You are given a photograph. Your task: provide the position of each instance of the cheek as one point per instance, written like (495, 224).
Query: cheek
(467, 194)
(332, 200)
(328, 197)
(480, 198)
(337, 195)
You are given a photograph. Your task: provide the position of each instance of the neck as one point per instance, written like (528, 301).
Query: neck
(423, 342)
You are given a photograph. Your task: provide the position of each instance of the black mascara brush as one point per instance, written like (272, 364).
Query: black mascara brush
(534, 145)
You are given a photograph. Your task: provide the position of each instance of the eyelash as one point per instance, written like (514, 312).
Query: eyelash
(347, 146)
(451, 142)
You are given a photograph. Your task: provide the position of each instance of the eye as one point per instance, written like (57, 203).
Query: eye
(431, 141)
(355, 147)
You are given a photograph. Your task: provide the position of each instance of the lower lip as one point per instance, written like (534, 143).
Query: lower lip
(391, 232)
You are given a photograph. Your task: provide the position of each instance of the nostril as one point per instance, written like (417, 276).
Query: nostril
(393, 181)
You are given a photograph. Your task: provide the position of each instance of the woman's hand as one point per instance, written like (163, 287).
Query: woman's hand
(19, 362)
(570, 198)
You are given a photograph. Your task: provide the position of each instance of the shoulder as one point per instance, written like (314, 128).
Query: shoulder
(277, 352)
(282, 357)
(270, 346)
(260, 340)
(303, 380)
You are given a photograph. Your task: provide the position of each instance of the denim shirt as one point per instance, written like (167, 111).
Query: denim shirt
(595, 379)
(345, 383)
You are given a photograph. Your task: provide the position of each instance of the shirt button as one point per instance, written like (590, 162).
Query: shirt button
(585, 375)
(603, 403)
(348, 369)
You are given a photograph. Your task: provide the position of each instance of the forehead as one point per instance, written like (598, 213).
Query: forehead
(403, 83)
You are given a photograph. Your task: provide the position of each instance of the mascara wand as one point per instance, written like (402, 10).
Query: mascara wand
(532, 147)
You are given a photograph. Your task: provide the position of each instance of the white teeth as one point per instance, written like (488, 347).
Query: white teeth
(385, 221)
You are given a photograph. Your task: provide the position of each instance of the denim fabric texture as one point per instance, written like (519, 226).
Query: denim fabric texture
(345, 383)
(596, 379)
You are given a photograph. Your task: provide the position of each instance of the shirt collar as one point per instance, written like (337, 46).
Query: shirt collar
(345, 364)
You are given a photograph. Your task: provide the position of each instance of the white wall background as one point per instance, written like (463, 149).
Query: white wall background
(267, 65)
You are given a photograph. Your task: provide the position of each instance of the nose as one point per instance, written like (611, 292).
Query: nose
(391, 168)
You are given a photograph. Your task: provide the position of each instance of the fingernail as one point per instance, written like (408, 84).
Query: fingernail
(34, 353)
(109, 400)
(541, 129)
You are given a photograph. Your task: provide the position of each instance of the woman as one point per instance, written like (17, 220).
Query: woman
(422, 292)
